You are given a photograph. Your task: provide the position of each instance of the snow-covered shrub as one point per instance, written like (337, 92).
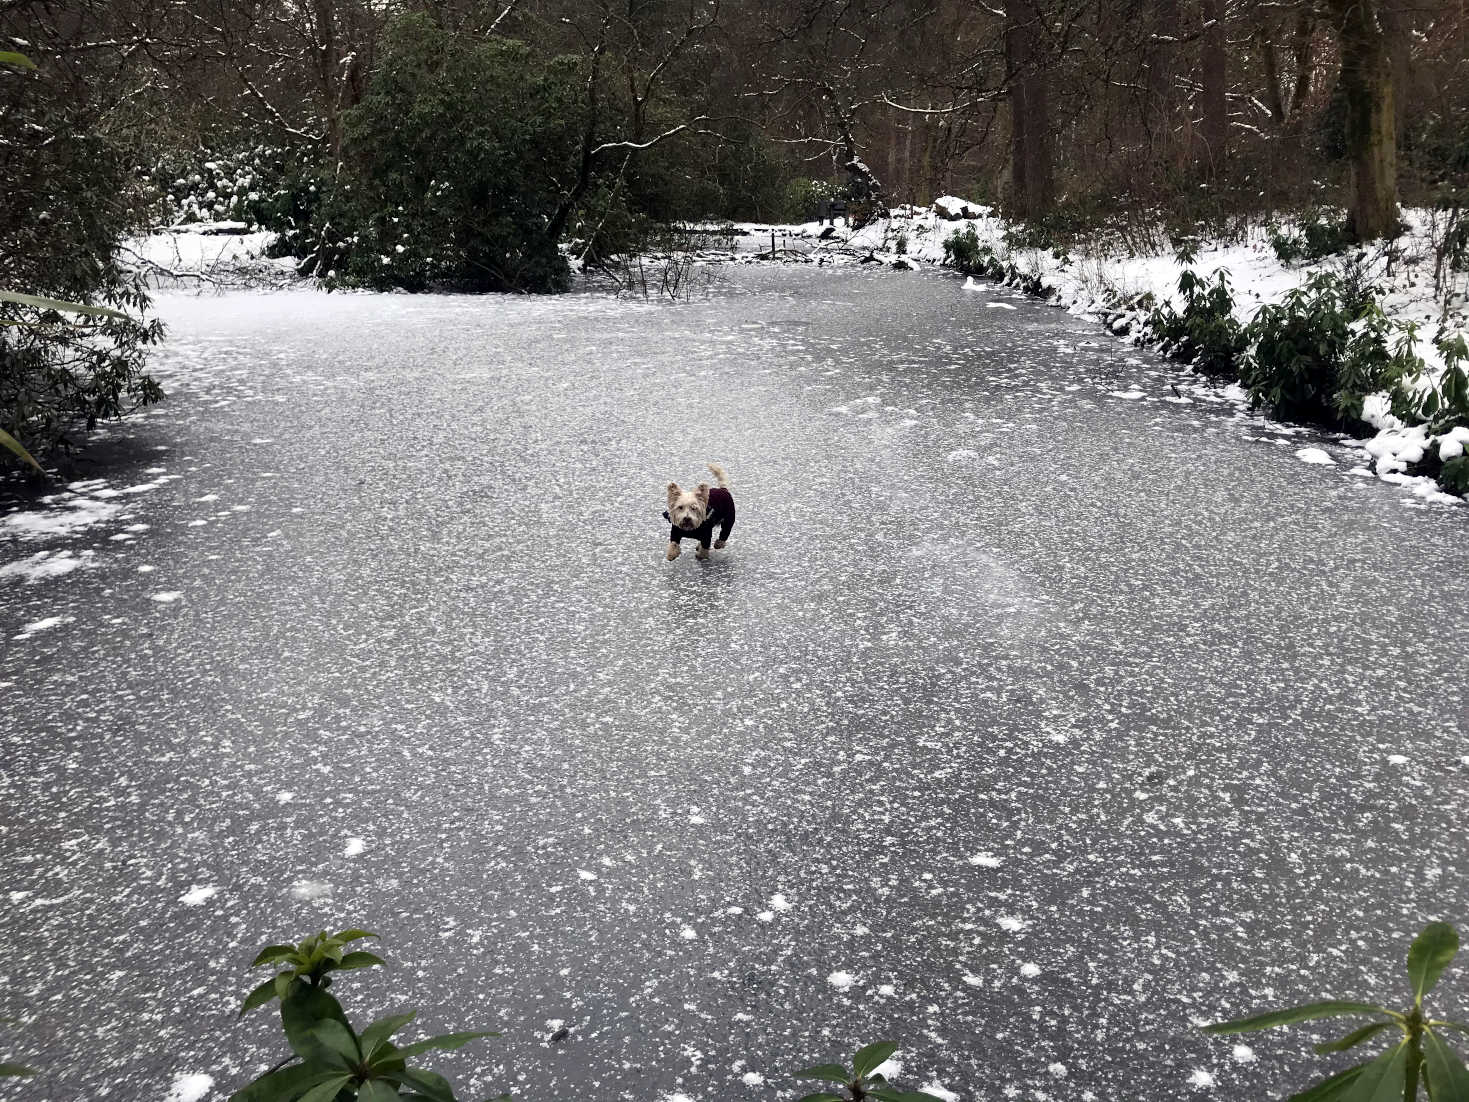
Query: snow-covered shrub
(1205, 333)
(253, 185)
(804, 197)
(1437, 402)
(453, 165)
(66, 207)
(964, 252)
(1316, 238)
(1316, 354)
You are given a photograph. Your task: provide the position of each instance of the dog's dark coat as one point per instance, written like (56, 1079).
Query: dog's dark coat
(721, 513)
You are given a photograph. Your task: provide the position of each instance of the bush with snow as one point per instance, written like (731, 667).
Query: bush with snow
(65, 210)
(453, 166)
(1205, 331)
(1317, 354)
(264, 187)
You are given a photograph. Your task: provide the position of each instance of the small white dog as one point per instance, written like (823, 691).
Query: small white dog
(694, 514)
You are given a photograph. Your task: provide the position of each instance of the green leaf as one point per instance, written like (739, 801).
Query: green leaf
(376, 1090)
(284, 1082)
(273, 953)
(338, 1039)
(1382, 1079)
(1331, 1008)
(1354, 1038)
(868, 1059)
(41, 303)
(832, 1073)
(11, 444)
(359, 960)
(17, 1071)
(1331, 1089)
(1431, 952)
(20, 61)
(353, 934)
(259, 997)
(326, 1091)
(821, 1096)
(382, 1029)
(445, 1042)
(301, 1012)
(1448, 1079)
(427, 1083)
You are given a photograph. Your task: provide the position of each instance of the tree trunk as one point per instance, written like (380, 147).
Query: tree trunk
(1030, 114)
(328, 61)
(866, 188)
(1396, 19)
(1214, 76)
(1274, 99)
(1162, 51)
(1371, 119)
(1300, 56)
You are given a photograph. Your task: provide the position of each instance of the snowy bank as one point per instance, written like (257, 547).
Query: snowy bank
(1120, 289)
(208, 252)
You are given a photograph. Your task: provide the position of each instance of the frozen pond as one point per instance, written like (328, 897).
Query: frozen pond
(1029, 718)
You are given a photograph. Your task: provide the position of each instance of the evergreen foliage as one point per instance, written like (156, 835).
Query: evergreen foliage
(452, 166)
(67, 204)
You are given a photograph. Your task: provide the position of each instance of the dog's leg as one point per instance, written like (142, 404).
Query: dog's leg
(702, 552)
(719, 544)
(672, 550)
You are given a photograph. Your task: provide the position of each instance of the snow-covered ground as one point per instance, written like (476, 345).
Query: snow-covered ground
(1098, 284)
(208, 252)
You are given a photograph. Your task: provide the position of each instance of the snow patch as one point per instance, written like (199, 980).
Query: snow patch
(189, 1088)
(1316, 456)
(44, 565)
(197, 896)
(66, 515)
(45, 624)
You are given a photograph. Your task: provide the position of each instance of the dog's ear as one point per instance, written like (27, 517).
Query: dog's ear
(673, 492)
(701, 491)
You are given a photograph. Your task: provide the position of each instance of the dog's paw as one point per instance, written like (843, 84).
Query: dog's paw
(702, 553)
(673, 550)
(719, 545)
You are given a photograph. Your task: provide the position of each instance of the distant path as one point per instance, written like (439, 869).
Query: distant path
(1021, 722)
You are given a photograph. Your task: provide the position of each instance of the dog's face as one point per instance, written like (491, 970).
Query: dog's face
(688, 508)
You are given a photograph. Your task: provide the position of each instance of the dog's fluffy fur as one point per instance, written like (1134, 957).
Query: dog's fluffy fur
(693, 514)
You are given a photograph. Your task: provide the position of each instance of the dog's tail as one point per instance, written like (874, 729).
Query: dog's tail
(720, 476)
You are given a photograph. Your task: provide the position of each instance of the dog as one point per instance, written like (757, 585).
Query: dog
(694, 514)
